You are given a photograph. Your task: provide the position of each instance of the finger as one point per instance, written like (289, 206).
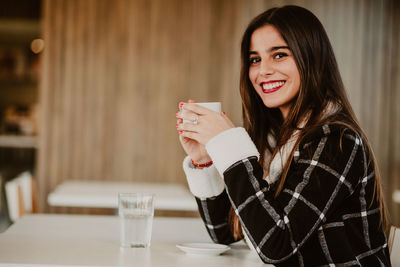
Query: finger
(191, 101)
(190, 135)
(195, 108)
(227, 119)
(185, 139)
(187, 126)
(180, 105)
(186, 115)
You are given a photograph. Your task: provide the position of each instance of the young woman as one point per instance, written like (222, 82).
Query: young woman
(299, 182)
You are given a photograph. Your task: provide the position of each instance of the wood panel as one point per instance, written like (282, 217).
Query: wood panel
(115, 70)
(393, 109)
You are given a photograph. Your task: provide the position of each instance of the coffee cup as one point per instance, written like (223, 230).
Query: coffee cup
(215, 106)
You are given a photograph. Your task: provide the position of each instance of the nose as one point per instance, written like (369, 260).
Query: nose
(266, 68)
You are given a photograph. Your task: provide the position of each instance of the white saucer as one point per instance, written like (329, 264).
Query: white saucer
(209, 249)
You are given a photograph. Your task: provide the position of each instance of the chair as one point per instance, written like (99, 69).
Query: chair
(4, 218)
(21, 196)
(394, 245)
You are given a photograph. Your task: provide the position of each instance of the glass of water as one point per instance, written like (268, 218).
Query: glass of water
(136, 211)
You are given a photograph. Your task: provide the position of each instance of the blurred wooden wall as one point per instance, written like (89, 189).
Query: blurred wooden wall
(115, 70)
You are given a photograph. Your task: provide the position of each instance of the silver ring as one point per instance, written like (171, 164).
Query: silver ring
(195, 120)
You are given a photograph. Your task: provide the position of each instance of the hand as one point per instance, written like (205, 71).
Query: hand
(196, 151)
(203, 124)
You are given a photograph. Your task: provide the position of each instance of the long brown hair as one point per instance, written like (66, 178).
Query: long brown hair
(320, 85)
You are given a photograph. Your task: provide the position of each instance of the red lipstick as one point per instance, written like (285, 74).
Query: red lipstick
(271, 86)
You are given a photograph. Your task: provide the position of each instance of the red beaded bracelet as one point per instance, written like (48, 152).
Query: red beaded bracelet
(197, 165)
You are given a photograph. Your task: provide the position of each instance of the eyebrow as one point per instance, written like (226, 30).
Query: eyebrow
(272, 49)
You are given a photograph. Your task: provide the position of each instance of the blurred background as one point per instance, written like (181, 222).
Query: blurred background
(89, 88)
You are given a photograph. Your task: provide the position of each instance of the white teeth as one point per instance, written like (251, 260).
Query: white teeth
(269, 86)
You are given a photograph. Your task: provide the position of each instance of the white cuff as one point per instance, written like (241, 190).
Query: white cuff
(203, 183)
(229, 147)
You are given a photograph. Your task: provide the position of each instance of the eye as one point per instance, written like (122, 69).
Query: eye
(280, 55)
(254, 60)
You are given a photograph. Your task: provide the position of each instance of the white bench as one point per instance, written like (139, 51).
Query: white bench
(104, 194)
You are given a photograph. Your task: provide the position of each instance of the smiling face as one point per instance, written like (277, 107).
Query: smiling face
(273, 71)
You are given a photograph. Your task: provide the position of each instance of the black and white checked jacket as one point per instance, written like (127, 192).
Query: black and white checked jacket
(323, 216)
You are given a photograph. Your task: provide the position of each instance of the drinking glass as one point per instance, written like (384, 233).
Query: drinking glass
(136, 212)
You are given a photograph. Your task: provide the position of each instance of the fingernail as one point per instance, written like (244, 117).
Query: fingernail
(223, 112)
(180, 132)
(180, 104)
(180, 120)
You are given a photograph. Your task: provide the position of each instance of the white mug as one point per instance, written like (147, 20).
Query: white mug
(215, 106)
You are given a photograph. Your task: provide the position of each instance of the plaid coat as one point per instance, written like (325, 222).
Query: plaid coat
(322, 217)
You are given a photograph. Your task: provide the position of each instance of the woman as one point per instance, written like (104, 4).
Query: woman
(299, 181)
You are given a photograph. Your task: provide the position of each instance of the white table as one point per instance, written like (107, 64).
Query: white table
(396, 196)
(89, 240)
(104, 194)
